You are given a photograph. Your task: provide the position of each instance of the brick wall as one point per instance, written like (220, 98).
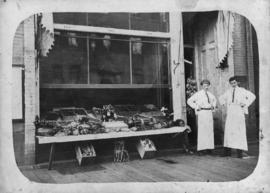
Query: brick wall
(245, 68)
(239, 47)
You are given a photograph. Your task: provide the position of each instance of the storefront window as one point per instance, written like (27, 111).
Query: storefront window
(109, 59)
(149, 61)
(67, 61)
(95, 58)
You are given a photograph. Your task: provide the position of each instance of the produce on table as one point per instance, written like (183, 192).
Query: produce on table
(105, 120)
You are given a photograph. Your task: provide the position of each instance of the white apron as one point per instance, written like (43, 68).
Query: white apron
(205, 138)
(205, 130)
(235, 128)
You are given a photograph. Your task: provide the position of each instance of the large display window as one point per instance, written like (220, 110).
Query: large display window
(96, 58)
(107, 58)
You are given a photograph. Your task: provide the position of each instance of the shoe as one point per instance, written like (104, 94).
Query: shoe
(226, 152)
(239, 154)
(201, 153)
(209, 152)
(188, 151)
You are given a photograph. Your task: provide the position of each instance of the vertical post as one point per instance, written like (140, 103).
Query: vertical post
(37, 106)
(88, 58)
(130, 61)
(252, 123)
(30, 89)
(177, 65)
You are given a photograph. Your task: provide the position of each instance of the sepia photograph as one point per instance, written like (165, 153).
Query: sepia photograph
(125, 97)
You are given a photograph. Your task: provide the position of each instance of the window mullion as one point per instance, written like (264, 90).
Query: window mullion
(130, 61)
(88, 58)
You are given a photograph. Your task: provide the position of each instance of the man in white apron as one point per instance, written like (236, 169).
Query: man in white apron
(237, 100)
(204, 104)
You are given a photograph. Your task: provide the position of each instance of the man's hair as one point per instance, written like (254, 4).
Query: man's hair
(205, 81)
(232, 79)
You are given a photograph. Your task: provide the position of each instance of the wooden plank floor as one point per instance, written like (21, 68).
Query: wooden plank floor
(173, 167)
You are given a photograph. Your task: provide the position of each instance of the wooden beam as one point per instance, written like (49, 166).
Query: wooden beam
(111, 31)
(111, 135)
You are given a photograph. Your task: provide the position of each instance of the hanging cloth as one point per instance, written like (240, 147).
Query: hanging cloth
(46, 33)
(225, 28)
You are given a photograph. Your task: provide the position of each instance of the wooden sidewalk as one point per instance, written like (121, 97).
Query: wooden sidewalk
(173, 167)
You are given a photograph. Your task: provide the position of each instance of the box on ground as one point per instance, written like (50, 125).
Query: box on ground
(146, 148)
(85, 154)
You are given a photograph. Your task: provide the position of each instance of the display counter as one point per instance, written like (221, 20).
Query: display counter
(53, 140)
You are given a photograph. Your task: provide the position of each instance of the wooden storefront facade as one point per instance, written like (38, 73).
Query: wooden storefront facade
(181, 35)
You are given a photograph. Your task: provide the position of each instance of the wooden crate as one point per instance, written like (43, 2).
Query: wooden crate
(146, 148)
(83, 158)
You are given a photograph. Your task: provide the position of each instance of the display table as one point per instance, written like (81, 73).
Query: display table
(112, 135)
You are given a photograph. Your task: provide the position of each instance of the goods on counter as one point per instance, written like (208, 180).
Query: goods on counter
(45, 131)
(108, 113)
(60, 133)
(116, 126)
(120, 153)
(83, 126)
(179, 122)
(146, 148)
(67, 114)
(133, 128)
(78, 121)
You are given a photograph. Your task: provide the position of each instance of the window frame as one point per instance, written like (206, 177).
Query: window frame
(113, 31)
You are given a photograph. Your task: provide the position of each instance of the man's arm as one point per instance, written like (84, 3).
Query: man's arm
(192, 101)
(250, 97)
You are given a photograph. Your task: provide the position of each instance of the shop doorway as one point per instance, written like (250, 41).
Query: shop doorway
(190, 79)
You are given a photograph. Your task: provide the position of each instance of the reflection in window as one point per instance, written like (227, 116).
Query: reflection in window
(88, 58)
(109, 60)
(149, 62)
(66, 62)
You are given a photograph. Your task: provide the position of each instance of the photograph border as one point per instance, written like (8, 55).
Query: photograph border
(12, 12)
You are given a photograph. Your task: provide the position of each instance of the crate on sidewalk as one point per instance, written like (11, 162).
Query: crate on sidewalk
(146, 148)
(85, 154)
